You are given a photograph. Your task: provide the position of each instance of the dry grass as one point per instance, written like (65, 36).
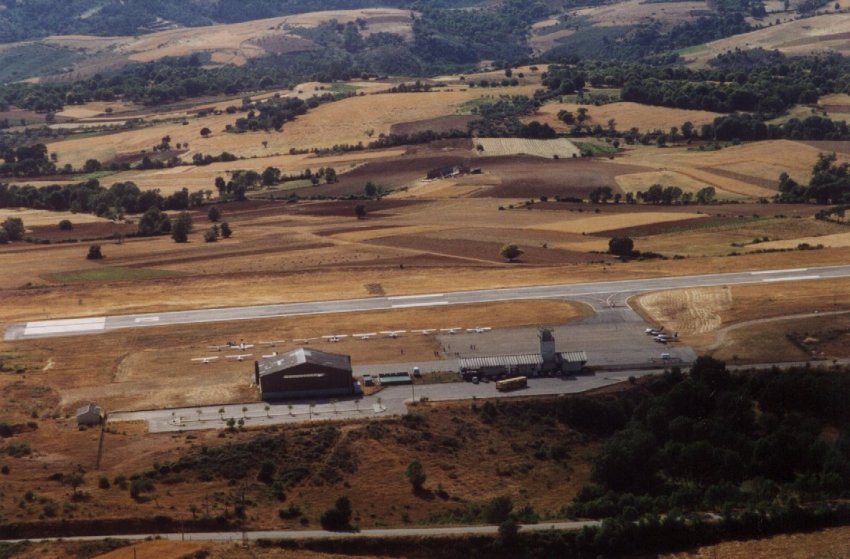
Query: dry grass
(595, 224)
(799, 37)
(688, 311)
(33, 218)
(627, 116)
(831, 543)
(636, 182)
(834, 240)
(353, 120)
(548, 149)
(635, 12)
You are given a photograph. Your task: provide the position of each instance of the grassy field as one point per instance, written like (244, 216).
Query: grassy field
(112, 273)
(495, 147)
(626, 116)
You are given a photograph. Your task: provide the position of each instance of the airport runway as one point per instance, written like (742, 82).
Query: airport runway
(600, 295)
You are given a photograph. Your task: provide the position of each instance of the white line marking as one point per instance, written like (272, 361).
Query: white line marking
(62, 326)
(409, 305)
(794, 278)
(147, 319)
(790, 271)
(431, 296)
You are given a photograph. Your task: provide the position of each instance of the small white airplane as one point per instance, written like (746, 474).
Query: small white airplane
(426, 332)
(205, 360)
(393, 333)
(366, 336)
(303, 340)
(272, 343)
(451, 330)
(667, 337)
(242, 357)
(478, 330)
(335, 338)
(653, 331)
(270, 355)
(243, 346)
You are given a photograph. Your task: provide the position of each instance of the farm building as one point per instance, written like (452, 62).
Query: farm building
(303, 373)
(448, 172)
(90, 414)
(547, 361)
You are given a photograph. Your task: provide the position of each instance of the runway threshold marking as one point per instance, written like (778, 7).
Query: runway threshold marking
(411, 305)
(66, 325)
(429, 296)
(789, 271)
(791, 278)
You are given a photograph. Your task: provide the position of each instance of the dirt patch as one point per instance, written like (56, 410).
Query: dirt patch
(599, 223)
(687, 311)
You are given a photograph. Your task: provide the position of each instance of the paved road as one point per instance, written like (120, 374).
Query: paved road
(322, 534)
(600, 294)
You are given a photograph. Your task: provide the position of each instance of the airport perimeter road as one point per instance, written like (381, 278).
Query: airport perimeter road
(600, 295)
(324, 535)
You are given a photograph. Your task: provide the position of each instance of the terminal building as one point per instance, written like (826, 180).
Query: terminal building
(305, 373)
(547, 361)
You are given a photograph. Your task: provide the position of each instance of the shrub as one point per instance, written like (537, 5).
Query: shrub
(498, 509)
(94, 253)
(103, 482)
(416, 474)
(66, 225)
(338, 517)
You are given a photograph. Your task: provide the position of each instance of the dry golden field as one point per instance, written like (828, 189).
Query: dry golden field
(626, 115)
(495, 147)
(349, 121)
(831, 543)
(799, 37)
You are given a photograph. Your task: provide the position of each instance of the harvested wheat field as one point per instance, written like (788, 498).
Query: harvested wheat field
(796, 38)
(606, 223)
(637, 182)
(32, 218)
(834, 240)
(549, 149)
(831, 543)
(349, 121)
(626, 116)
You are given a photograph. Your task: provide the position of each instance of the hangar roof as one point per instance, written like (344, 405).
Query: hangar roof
(300, 356)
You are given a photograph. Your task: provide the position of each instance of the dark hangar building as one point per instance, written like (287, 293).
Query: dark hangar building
(304, 373)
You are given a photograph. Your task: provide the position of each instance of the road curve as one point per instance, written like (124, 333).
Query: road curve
(323, 534)
(600, 293)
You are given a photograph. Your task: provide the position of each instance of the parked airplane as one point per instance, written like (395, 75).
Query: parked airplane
(654, 331)
(303, 340)
(205, 360)
(451, 330)
(426, 332)
(366, 336)
(478, 330)
(272, 343)
(334, 338)
(242, 357)
(393, 333)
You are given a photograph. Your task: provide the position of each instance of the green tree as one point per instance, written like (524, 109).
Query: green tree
(267, 471)
(211, 235)
(154, 222)
(498, 509)
(416, 475)
(205, 132)
(511, 252)
(181, 228)
(94, 253)
(360, 211)
(621, 246)
(330, 175)
(214, 214)
(66, 225)
(371, 189)
(15, 229)
(338, 517)
(92, 166)
(226, 231)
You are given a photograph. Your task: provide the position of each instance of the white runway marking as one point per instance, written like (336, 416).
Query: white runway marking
(410, 305)
(62, 326)
(791, 271)
(793, 278)
(147, 319)
(429, 296)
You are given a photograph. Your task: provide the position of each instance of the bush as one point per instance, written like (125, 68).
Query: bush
(226, 231)
(416, 474)
(15, 229)
(103, 482)
(94, 253)
(214, 214)
(338, 517)
(211, 235)
(498, 509)
(66, 225)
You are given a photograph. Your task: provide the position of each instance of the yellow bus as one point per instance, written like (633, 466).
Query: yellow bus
(512, 383)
